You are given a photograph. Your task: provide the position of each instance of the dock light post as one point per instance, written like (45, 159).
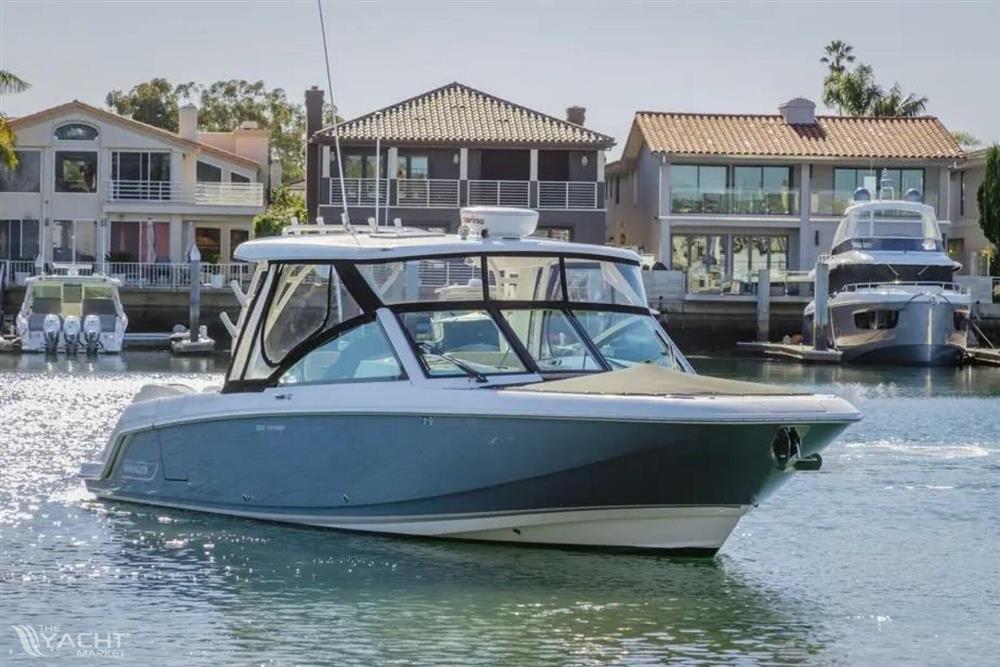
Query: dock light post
(194, 311)
(821, 312)
(763, 305)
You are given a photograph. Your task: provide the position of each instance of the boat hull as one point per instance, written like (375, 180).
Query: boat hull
(897, 327)
(570, 482)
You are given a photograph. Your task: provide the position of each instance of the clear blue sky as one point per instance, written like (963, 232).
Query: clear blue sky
(613, 58)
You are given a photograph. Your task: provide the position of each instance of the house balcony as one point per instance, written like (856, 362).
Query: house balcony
(835, 202)
(198, 194)
(735, 201)
(453, 193)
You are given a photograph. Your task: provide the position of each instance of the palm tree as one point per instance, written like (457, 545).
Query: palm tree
(858, 94)
(9, 83)
(837, 54)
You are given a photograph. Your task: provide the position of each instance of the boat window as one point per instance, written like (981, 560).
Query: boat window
(307, 299)
(361, 354)
(625, 339)
(595, 281)
(421, 280)
(450, 339)
(520, 278)
(551, 340)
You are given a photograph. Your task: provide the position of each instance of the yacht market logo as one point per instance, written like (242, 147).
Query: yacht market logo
(48, 641)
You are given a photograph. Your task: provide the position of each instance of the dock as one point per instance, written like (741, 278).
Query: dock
(984, 355)
(802, 353)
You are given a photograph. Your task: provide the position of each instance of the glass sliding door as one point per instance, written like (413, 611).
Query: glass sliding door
(140, 175)
(74, 241)
(763, 191)
(698, 188)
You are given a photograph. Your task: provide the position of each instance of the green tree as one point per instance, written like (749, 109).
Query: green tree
(284, 206)
(223, 105)
(965, 139)
(988, 197)
(857, 93)
(837, 54)
(154, 102)
(10, 83)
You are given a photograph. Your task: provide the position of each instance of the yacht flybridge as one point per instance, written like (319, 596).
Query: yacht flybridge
(892, 296)
(483, 386)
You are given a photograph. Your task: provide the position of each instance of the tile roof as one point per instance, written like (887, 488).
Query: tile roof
(166, 135)
(456, 114)
(830, 136)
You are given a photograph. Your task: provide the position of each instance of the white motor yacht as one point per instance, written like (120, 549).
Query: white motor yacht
(70, 313)
(481, 386)
(892, 295)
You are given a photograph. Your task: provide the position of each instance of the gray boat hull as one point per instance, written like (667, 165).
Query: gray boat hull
(925, 333)
(596, 483)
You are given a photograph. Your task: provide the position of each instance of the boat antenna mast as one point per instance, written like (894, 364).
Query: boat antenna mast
(344, 217)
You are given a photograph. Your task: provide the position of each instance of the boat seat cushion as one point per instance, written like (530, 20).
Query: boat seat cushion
(653, 380)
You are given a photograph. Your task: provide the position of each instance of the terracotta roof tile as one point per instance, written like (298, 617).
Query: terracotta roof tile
(458, 114)
(831, 136)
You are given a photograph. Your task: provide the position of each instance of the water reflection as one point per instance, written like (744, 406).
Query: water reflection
(911, 381)
(371, 598)
(141, 362)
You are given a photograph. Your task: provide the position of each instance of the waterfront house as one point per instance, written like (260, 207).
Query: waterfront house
(720, 196)
(93, 187)
(456, 146)
(967, 243)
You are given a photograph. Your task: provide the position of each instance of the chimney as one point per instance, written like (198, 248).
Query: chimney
(798, 111)
(188, 122)
(576, 114)
(314, 170)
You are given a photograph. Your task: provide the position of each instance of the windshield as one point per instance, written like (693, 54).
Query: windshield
(469, 337)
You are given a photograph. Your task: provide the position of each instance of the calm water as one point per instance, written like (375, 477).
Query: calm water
(890, 554)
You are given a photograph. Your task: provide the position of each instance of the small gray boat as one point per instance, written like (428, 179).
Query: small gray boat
(487, 386)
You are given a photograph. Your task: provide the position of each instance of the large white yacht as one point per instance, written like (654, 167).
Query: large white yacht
(892, 296)
(482, 386)
(71, 312)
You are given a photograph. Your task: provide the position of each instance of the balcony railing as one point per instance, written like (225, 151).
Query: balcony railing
(175, 275)
(208, 194)
(427, 193)
(359, 191)
(16, 270)
(735, 201)
(499, 193)
(567, 194)
(835, 202)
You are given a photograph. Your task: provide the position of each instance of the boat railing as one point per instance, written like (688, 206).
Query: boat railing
(944, 286)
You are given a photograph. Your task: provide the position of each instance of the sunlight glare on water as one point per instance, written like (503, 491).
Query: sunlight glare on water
(889, 554)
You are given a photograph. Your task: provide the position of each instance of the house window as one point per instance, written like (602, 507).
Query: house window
(697, 188)
(209, 242)
(846, 181)
(139, 241)
(750, 254)
(18, 239)
(140, 175)
(236, 237)
(26, 177)
(411, 166)
(961, 193)
(76, 132)
(358, 166)
(208, 173)
(74, 240)
(238, 178)
(76, 171)
(556, 233)
(763, 191)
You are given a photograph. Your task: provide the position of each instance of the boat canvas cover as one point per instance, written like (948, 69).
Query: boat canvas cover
(652, 380)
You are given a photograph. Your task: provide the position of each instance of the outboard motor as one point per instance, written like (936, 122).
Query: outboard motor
(71, 333)
(51, 327)
(92, 333)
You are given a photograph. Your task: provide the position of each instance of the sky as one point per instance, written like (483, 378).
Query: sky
(613, 58)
